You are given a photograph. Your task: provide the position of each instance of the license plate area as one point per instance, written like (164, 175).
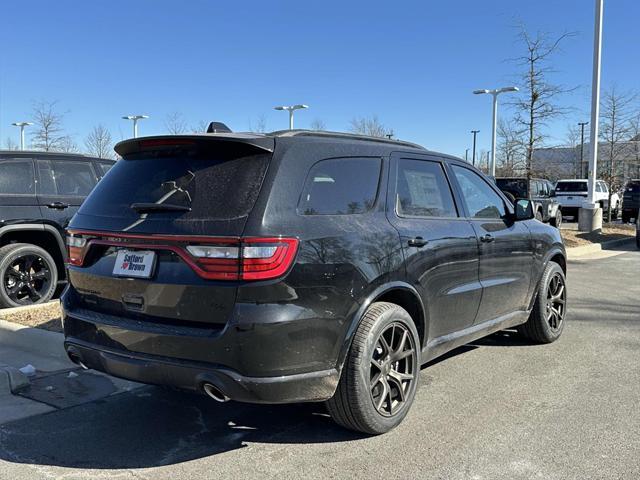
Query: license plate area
(134, 263)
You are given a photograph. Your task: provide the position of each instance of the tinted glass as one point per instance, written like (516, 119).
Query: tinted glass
(633, 187)
(515, 186)
(481, 200)
(17, 177)
(340, 186)
(215, 186)
(104, 167)
(571, 187)
(422, 190)
(63, 177)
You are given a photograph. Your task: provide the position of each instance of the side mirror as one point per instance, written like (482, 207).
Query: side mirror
(524, 210)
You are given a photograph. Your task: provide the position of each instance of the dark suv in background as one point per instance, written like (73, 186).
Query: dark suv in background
(39, 193)
(631, 201)
(540, 191)
(301, 266)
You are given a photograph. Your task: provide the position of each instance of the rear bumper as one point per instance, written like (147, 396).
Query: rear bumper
(304, 387)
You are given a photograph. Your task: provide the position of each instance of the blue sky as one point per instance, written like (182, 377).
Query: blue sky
(414, 64)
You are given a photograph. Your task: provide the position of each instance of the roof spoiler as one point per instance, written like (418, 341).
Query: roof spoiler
(248, 142)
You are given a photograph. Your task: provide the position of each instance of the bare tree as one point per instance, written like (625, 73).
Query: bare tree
(9, 144)
(67, 144)
(511, 150)
(370, 126)
(634, 169)
(99, 143)
(260, 125)
(572, 137)
(317, 124)
(616, 118)
(200, 127)
(48, 128)
(537, 104)
(175, 124)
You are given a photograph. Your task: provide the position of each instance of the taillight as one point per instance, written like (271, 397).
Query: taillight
(248, 259)
(76, 249)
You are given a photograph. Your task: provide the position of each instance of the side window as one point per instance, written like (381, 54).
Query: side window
(598, 187)
(17, 177)
(104, 168)
(605, 189)
(64, 177)
(340, 186)
(422, 190)
(543, 189)
(481, 200)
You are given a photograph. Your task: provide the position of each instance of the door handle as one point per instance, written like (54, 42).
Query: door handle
(487, 238)
(417, 242)
(58, 205)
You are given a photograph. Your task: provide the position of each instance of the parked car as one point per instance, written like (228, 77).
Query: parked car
(39, 193)
(571, 194)
(540, 191)
(631, 201)
(638, 230)
(301, 266)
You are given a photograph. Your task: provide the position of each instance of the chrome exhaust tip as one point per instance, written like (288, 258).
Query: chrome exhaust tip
(215, 393)
(75, 358)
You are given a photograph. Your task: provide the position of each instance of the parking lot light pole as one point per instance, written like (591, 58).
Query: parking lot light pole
(495, 93)
(473, 155)
(582, 125)
(21, 125)
(135, 119)
(590, 216)
(291, 109)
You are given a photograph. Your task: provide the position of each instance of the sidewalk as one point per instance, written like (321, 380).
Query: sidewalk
(57, 383)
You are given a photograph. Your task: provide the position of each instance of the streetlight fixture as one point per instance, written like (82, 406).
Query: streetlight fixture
(291, 109)
(473, 156)
(495, 93)
(135, 119)
(21, 125)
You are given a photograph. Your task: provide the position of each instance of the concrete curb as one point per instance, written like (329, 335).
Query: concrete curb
(39, 306)
(577, 252)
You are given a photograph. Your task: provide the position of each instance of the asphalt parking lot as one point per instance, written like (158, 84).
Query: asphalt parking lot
(499, 408)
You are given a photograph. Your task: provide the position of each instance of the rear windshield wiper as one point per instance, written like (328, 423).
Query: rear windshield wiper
(144, 207)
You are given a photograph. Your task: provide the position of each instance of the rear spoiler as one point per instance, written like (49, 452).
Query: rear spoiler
(252, 142)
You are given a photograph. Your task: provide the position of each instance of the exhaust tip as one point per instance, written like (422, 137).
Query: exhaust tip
(215, 393)
(75, 358)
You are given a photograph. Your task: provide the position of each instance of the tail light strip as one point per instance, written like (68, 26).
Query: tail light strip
(225, 259)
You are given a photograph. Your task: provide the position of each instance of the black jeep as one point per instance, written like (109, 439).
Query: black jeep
(301, 266)
(39, 193)
(540, 191)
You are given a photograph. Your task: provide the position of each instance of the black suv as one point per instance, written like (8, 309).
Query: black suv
(300, 266)
(39, 193)
(539, 191)
(631, 200)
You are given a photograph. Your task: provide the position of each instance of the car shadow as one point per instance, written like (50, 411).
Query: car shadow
(153, 426)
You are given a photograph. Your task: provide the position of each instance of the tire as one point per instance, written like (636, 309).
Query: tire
(543, 325)
(539, 216)
(626, 218)
(28, 275)
(352, 406)
(557, 220)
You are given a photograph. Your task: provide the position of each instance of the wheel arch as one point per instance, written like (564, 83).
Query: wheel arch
(398, 292)
(41, 235)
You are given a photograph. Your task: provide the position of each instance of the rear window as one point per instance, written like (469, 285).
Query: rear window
(515, 186)
(633, 187)
(340, 186)
(214, 187)
(571, 187)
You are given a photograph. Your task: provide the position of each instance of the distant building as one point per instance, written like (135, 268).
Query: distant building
(564, 162)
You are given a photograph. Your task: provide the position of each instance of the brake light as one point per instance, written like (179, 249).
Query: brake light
(75, 249)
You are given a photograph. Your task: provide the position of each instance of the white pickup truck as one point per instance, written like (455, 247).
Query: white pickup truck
(571, 194)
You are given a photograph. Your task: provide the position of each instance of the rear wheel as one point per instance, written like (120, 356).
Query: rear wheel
(28, 275)
(546, 321)
(539, 216)
(380, 374)
(557, 220)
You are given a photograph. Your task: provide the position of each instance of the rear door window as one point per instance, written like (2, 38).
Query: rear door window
(17, 177)
(66, 178)
(340, 186)
(422, 190)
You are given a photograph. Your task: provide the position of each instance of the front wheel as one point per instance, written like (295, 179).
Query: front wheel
(380, 374)
(28, 274)
(546, 321)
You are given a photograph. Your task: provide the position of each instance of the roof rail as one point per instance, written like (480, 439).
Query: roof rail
(352, 136)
